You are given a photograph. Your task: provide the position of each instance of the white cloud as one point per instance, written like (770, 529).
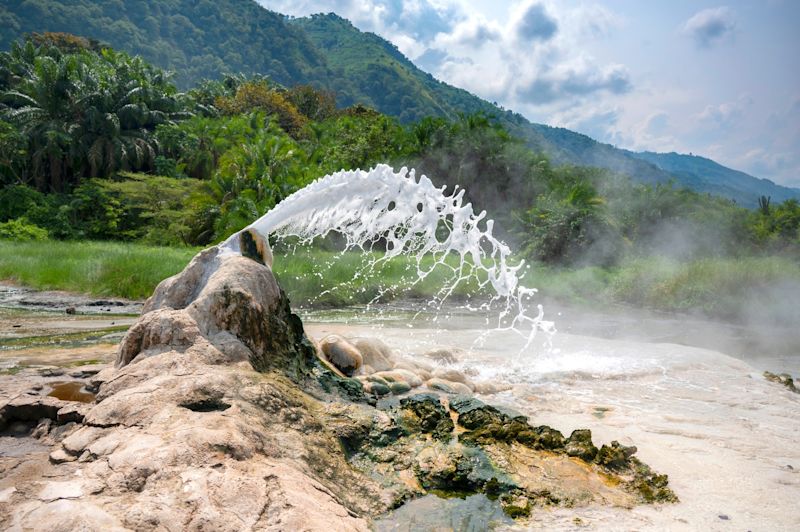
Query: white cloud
(475, 32)
(710, 26)
(528, 55)
(409, 24)
(532, 57)
(722, 115)
(534, 23)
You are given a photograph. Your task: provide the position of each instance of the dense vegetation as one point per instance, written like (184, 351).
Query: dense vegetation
(204, 40)
(96, 144)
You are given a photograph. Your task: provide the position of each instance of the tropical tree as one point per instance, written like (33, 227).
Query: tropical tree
(254, 176)
(85, 113)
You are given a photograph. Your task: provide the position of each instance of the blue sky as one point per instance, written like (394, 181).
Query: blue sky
(720, 80)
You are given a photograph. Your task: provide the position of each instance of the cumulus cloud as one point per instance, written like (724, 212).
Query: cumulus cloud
(528, 56)
(474, 32)
(710, 26)
(596, 121)
(657, 123)
(580, 78)
(593, 21)
(534, 59)
(722, 115)
(535, 24)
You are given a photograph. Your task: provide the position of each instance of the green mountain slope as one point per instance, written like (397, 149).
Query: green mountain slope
(705, 175)
(395, 86)
(204, 39)
(194, 38)
(384, 76)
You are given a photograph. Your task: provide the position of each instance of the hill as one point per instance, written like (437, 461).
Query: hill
(195, 39)
(704, 175)
(204, 39)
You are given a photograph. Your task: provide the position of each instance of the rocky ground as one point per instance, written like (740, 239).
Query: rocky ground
(220, 414)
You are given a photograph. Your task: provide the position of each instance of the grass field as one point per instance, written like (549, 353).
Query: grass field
(737, 289)
(720, 287)
(97, 268)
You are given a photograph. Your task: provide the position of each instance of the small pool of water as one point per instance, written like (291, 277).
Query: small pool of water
(471, 514)
(71, 391)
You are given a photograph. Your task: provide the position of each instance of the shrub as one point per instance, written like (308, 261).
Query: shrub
(20, 230)
(17, 201)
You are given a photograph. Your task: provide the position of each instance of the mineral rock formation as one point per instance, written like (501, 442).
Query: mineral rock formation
(219, 415)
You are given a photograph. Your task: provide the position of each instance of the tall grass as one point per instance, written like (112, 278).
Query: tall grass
(97, 268)
(133, 270)
(723, 287)
(737, 289)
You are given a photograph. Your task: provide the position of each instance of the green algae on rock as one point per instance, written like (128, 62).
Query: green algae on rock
(419, 450)
(784, 378)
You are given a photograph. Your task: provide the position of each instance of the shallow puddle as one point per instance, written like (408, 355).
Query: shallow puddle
(473, 513)
(71, 391)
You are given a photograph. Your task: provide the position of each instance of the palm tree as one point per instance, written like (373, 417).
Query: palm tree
(39, 106)
(85, 113)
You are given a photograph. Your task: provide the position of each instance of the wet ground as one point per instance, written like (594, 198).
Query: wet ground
(41, 328)
(713, 424)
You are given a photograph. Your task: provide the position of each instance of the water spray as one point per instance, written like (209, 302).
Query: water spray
(401, 215)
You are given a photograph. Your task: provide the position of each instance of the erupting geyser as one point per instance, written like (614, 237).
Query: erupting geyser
(402, 216)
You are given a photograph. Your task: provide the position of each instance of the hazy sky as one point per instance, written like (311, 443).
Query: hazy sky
(716, 79)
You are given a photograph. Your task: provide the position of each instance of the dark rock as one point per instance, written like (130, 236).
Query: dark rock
(206, 404)
(70, 310)
(648, 485)
(488, 424)
(580, 445)
(84, 373)
(614, 456)
(516, 505)
(460, 470)
(19, 428)
(427, 415)
(72, 413)
(473, 413)
(784, 379)
(350, 389)
(30, 408)
(549, 438)
(398, 388)
(380, 389)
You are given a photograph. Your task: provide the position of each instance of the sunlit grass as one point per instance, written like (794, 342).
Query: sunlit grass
(133, 270)
(97, 268)
(721, 287)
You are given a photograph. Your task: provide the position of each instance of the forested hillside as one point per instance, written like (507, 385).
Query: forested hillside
(705, 175)
(98, 145)
(204, 40)
(195, 39)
